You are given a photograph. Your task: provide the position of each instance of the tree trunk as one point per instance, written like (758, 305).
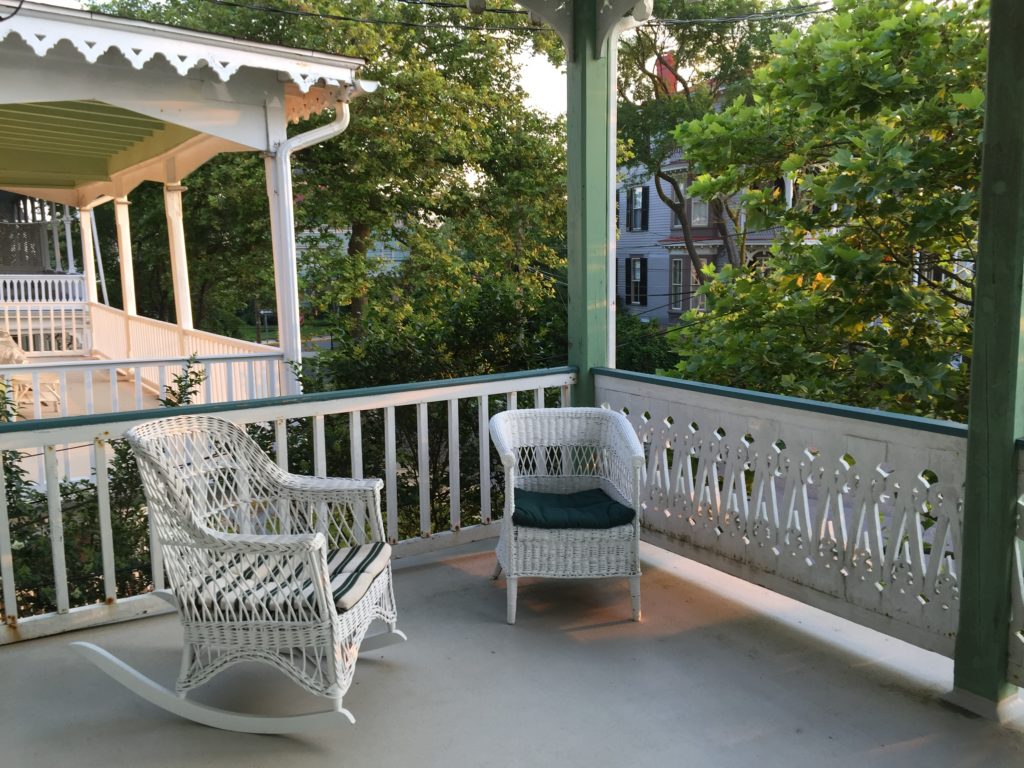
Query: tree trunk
(678, 205)
(358, 245)
(718, 211)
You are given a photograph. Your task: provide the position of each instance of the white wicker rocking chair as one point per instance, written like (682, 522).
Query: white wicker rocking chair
(263, 566)
(566, 451)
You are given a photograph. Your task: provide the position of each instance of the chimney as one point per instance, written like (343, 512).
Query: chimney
(663, 66)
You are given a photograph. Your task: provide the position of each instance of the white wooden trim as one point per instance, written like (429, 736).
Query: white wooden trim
(43, 26)
(56, 520)
(355, 429)
(484, 440)
(423, 467)
(7, 557)
(106, 531)
(391, 473)
(454, 468)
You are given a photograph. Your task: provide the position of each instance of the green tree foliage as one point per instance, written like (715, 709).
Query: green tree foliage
(641, 347)
(671, 72)
(444, 161)
(430, 146)
(875, 113)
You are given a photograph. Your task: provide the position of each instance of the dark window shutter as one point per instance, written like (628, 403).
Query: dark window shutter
(629, 209)
(645, 208)
(627, 275)
(617, 225)
(643, 270)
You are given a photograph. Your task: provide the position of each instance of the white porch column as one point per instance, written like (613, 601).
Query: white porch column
(179, 267)
(68, 242)
(286, 274)
(124, 254)
(88, 259)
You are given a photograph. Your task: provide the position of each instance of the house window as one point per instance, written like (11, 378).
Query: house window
(759, 261)
(638, 201)
(676, 304)
(698, 213)
(636, 281)
(676, 223)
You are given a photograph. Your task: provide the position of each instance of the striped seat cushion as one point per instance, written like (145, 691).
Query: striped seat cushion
(353, 570)
(350, 571)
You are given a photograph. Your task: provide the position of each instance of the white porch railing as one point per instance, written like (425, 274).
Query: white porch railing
(118, 335)
(46, 389)
(256, 368)
(45, 313)
(353, 410)
(1015, 656)
(853, 511)
(42, 289)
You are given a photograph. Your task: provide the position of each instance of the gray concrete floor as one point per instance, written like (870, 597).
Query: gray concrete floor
(720, 674)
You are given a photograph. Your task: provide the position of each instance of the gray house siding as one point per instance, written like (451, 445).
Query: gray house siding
(654, 245)
(659, 244)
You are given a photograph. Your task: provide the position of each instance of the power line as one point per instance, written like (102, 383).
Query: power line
(681, 326)
(13, 13)
(462, 6)
(780, 13)
(380, 22)
(785, 13)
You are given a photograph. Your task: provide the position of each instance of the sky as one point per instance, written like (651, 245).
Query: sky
(544, 84)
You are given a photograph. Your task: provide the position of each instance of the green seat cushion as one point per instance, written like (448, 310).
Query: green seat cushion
(583, 509)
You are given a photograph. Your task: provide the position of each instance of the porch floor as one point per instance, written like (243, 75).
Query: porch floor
(720, 673)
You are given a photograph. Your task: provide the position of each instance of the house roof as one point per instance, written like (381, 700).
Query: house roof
(97, 104)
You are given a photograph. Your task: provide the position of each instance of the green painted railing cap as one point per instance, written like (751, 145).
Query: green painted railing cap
(935, 426)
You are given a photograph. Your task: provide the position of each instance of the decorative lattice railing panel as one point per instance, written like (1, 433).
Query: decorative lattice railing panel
(857, 516)
(1015, 656)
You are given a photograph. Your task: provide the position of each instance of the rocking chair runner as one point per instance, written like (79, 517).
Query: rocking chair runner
(263, 565)
(572, 487)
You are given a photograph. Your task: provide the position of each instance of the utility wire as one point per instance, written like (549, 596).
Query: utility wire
(779, 13)
(783, 13)
(380, 22)
(462, 6)
(13, 13)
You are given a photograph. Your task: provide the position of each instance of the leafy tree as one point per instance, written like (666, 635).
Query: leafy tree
(445, 161)
(875, 113)
(642, 347)
(678, 68)
(416, 150)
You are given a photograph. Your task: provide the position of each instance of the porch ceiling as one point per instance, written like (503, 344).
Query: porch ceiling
(67, 143)
(93, 105)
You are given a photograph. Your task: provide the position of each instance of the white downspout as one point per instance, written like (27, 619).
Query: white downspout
(279, 189)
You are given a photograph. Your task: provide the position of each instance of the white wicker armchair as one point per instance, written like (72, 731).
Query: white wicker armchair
(567, 451)
(264, 565)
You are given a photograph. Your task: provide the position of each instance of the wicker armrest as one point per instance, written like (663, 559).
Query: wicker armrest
(627, 443)
(286, 544)
(333, 505)
(328, 485)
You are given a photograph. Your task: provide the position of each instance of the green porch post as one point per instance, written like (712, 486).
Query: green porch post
(996, 415)
(590, 127)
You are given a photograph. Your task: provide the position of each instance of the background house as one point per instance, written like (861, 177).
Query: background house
(654, 273)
